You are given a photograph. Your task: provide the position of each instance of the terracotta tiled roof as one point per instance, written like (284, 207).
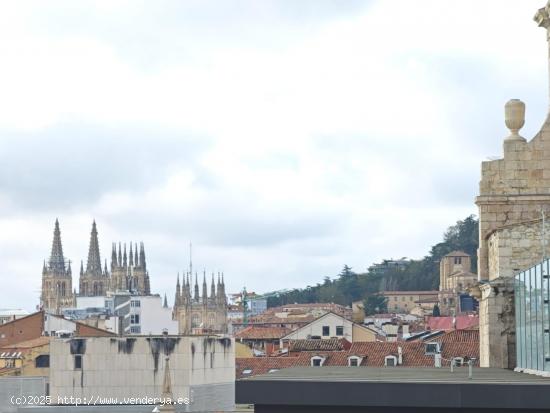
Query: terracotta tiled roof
(459, 336)
(333, 344)
(457, 254)
(35, 342)
(446, 323)
(414, 352)
(262, 333)
(373, 354)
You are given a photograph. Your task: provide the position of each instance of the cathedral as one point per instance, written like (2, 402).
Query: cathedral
(128, 273)
(200, 313)
(57, 279)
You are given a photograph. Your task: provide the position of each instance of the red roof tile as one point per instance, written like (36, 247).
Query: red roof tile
(262, 333)
(446, 323)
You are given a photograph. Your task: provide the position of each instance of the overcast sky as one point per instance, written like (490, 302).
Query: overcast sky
(283, 138)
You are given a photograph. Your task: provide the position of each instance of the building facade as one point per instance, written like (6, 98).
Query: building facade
(455, 278)
(197, 313)
(405, 301)
(202, 369)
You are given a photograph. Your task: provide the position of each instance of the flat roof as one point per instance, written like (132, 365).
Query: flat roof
(396, 387)
(402, 375)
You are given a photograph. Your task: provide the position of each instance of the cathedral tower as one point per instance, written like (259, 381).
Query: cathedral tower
(94, 281)
(199, 314)
(57, 290)
(129, 270)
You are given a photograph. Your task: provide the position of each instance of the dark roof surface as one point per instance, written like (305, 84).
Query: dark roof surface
(393, 374)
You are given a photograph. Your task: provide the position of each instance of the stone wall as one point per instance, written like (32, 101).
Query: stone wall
(134, 367)
(514, 189)
(513, 248)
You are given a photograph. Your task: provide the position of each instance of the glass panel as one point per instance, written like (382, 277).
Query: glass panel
(528, 346)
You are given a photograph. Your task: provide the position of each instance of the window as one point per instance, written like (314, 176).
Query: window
(135, 303)
(390, 361)
(339, 330)
(458, 260)
(432, 348)
(354, 361)
(10, 363)
(326, 331)
(42, 361)
(247, 371)
(317, 361)
(78, 361)
(135, 329)
(134, 318)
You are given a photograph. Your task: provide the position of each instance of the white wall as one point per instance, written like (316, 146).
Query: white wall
(87, 302)
(56, 323)
(315, 328)
(128, 367)
(154, 317)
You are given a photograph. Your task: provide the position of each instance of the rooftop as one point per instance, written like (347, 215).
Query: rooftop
(348, 388)
(403, 375)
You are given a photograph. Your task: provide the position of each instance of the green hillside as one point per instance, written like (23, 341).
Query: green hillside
(421, 274)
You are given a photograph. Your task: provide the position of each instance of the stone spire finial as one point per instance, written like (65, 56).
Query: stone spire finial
(177, 298)
(124, 257)
(81, 267)
(114, 262)
(93, 266)
(212, 288)
(57, 261)
(204, 288)
(196, 295)
(131, 255)
(136, 259)
(142, 255)
(514, 116)
(167, 395)
(165, 305)
(119, 255)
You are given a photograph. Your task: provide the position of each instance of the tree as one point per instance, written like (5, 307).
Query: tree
(436, 311)
(375, 304)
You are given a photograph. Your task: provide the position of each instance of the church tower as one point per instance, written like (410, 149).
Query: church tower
(57, 290)
(94, 281)
(200, 314)
(129, 270)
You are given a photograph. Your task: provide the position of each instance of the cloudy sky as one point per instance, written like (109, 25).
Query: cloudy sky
(283, 138)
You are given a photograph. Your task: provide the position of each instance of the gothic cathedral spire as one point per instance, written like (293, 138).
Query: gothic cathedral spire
(93, 266)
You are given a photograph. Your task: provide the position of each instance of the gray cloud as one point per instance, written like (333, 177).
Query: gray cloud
(68, 166)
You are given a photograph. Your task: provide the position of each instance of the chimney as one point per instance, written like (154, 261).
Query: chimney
(399, 355)
(437, 360)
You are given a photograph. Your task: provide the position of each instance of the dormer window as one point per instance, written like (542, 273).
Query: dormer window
(247, 371)
(354, 361)
(390, 361)
(432, 348)
(317, 361)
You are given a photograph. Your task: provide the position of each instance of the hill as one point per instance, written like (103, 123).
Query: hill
(423, 274)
